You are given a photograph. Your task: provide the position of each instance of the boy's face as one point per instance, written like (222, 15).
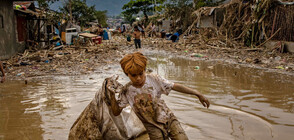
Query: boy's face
(138, 79)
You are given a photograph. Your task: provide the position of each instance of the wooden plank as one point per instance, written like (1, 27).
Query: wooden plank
(89, 35)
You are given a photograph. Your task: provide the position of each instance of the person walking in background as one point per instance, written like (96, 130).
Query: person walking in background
(176, 35)
(123, 29)
(142, 29)
(100, 30)
(119, 29)
(153, 30)
(137, 36)
(3, 73)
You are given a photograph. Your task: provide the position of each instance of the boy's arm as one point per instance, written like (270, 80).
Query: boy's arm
(184, 89)
(134, 35)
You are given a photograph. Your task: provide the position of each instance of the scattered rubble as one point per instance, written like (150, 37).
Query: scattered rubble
(208, 49)
(75, 60)
(68, 60)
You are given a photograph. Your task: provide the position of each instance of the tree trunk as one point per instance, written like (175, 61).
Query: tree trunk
(146, 17)
(70, 13)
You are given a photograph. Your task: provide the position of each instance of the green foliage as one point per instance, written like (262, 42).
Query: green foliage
(136, 6)
(84, 14)
(101, 16)
(129, 18)
(45, 3)
(181, 11)
(208, 3)
(52, 17)
(199, 3)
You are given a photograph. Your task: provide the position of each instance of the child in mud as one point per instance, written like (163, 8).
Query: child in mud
(143, 94)
(3, 73)
(137, 35)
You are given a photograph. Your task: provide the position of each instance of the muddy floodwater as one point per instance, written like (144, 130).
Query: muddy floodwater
(246, 103)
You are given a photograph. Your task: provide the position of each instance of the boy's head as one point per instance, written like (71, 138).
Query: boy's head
(136, 28)
(134, 66)
(133, 63)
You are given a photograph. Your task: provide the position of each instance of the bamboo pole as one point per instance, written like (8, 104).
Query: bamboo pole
(269, 38)
(273, 27)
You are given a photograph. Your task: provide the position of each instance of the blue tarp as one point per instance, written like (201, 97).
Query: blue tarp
(105, 35)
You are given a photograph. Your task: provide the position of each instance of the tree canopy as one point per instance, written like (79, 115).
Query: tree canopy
(136, 6)
(44, 3)
(181, 11)
(82, 13)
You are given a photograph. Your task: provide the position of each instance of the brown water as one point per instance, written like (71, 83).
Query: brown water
(247, 103)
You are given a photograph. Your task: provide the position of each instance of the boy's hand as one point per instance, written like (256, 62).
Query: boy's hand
(111, 90)
(184, 89)
(204, 101)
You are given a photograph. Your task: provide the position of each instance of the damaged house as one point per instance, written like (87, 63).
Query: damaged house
(8, 40)
(255, 23)
(22, 25)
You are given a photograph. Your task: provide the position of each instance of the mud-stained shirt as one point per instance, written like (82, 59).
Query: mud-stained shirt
(148, 98)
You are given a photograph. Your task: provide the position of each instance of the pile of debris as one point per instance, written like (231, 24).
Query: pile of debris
(66, 59)
(251, 22)
(215, 48)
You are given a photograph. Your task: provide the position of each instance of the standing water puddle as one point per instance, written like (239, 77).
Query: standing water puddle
(246, 103)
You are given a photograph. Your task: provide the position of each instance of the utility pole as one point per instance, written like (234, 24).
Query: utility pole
(154, 5)
(70, 12)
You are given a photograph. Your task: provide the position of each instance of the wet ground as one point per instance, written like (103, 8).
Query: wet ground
(247, 103)
(81, 59)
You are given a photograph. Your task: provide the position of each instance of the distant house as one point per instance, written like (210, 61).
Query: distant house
(210, 16)
(164, 24)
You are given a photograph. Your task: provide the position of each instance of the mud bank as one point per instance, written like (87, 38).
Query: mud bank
(262, 58)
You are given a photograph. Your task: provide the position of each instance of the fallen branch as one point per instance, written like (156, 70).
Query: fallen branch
(268, 38)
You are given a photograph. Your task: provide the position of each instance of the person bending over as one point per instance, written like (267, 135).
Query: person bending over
(143, 94)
